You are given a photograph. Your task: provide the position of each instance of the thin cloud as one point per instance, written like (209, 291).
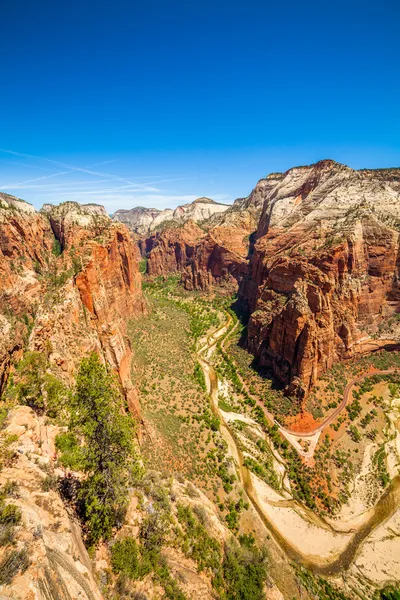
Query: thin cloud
(124, 189)
(70, 167)
(14, 162)
(20, 185)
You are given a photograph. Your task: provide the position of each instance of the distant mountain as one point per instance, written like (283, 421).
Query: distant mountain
(143, 220)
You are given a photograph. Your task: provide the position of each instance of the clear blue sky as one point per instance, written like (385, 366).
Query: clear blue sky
(179, 99)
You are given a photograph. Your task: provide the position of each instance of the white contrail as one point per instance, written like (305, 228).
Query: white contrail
(16, 186)
(56, 186)
(14, 162)
(70, 167)
(134, 187)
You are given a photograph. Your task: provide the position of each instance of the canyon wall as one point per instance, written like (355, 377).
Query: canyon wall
(25, 241)
(171, 249)
(323, 279)
(214, 252)
(83, 285)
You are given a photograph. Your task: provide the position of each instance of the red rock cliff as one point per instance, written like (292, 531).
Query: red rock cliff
(25, 241)
(323, 278)
(80, 300)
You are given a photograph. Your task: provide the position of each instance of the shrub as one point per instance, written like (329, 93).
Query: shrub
(10, 515)
(244, 572)
(390, 593)
(125, 558)
(6, 534)
(50, 482)
(26, 387)
(57, 395)
(71, 452)
(12, 563)
(56, 249)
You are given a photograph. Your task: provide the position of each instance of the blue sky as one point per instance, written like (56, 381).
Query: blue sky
(156, 103)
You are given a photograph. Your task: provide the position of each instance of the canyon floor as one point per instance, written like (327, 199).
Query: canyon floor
(287, 487)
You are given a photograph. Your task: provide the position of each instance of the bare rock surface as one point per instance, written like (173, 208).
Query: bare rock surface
(144, 220)
(324, 272)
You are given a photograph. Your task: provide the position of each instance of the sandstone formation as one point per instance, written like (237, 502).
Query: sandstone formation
(58, 565)
(71, 298)
(143, 220)
(222, 255)
(324, 272)
(25, 241)
(170, 250)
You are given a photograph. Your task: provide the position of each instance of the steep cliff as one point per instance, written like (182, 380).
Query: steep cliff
(107, 282)
(69, 284)
(25, 243)
(222, 255)
(47, 559)
(171, 249)
(323, 277)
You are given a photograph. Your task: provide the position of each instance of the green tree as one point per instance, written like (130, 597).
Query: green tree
(244, 571)
(108, 451)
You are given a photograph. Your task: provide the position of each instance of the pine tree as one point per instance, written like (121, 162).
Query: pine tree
(108, 450)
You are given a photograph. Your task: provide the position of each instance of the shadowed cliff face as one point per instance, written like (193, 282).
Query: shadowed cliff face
(171, 250)
(324, 272)
(68, 302)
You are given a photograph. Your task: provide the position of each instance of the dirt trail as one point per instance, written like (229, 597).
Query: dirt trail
(328, 565)
(286, 431)
(341, 406)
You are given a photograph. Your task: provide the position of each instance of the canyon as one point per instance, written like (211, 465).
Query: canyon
(313, 253)
(238, 337)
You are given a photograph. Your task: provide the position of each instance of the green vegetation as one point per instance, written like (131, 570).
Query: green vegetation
(108, 451)
(223, 405)
(25, 387)
(379, 462)
(317, 586)
(389, 593)
(134, 559)
(199, 376)
(196, 542)
(143, 266)
(265, 471)
(56, 249)
(72, 455)
(125, 558)
(172, 387)
(244, 572)
(354, 433)
(354, 408)
(32, 385)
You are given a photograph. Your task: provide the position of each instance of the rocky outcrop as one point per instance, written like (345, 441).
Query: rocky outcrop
(57, 564)
(143, 220)
(70, 283)
(222, 255)
(25, 242)
(171, 250)
(324, 273)
(107, 283)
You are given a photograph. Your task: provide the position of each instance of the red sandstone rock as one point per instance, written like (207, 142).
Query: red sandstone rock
(324, 273)
(81, 301)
